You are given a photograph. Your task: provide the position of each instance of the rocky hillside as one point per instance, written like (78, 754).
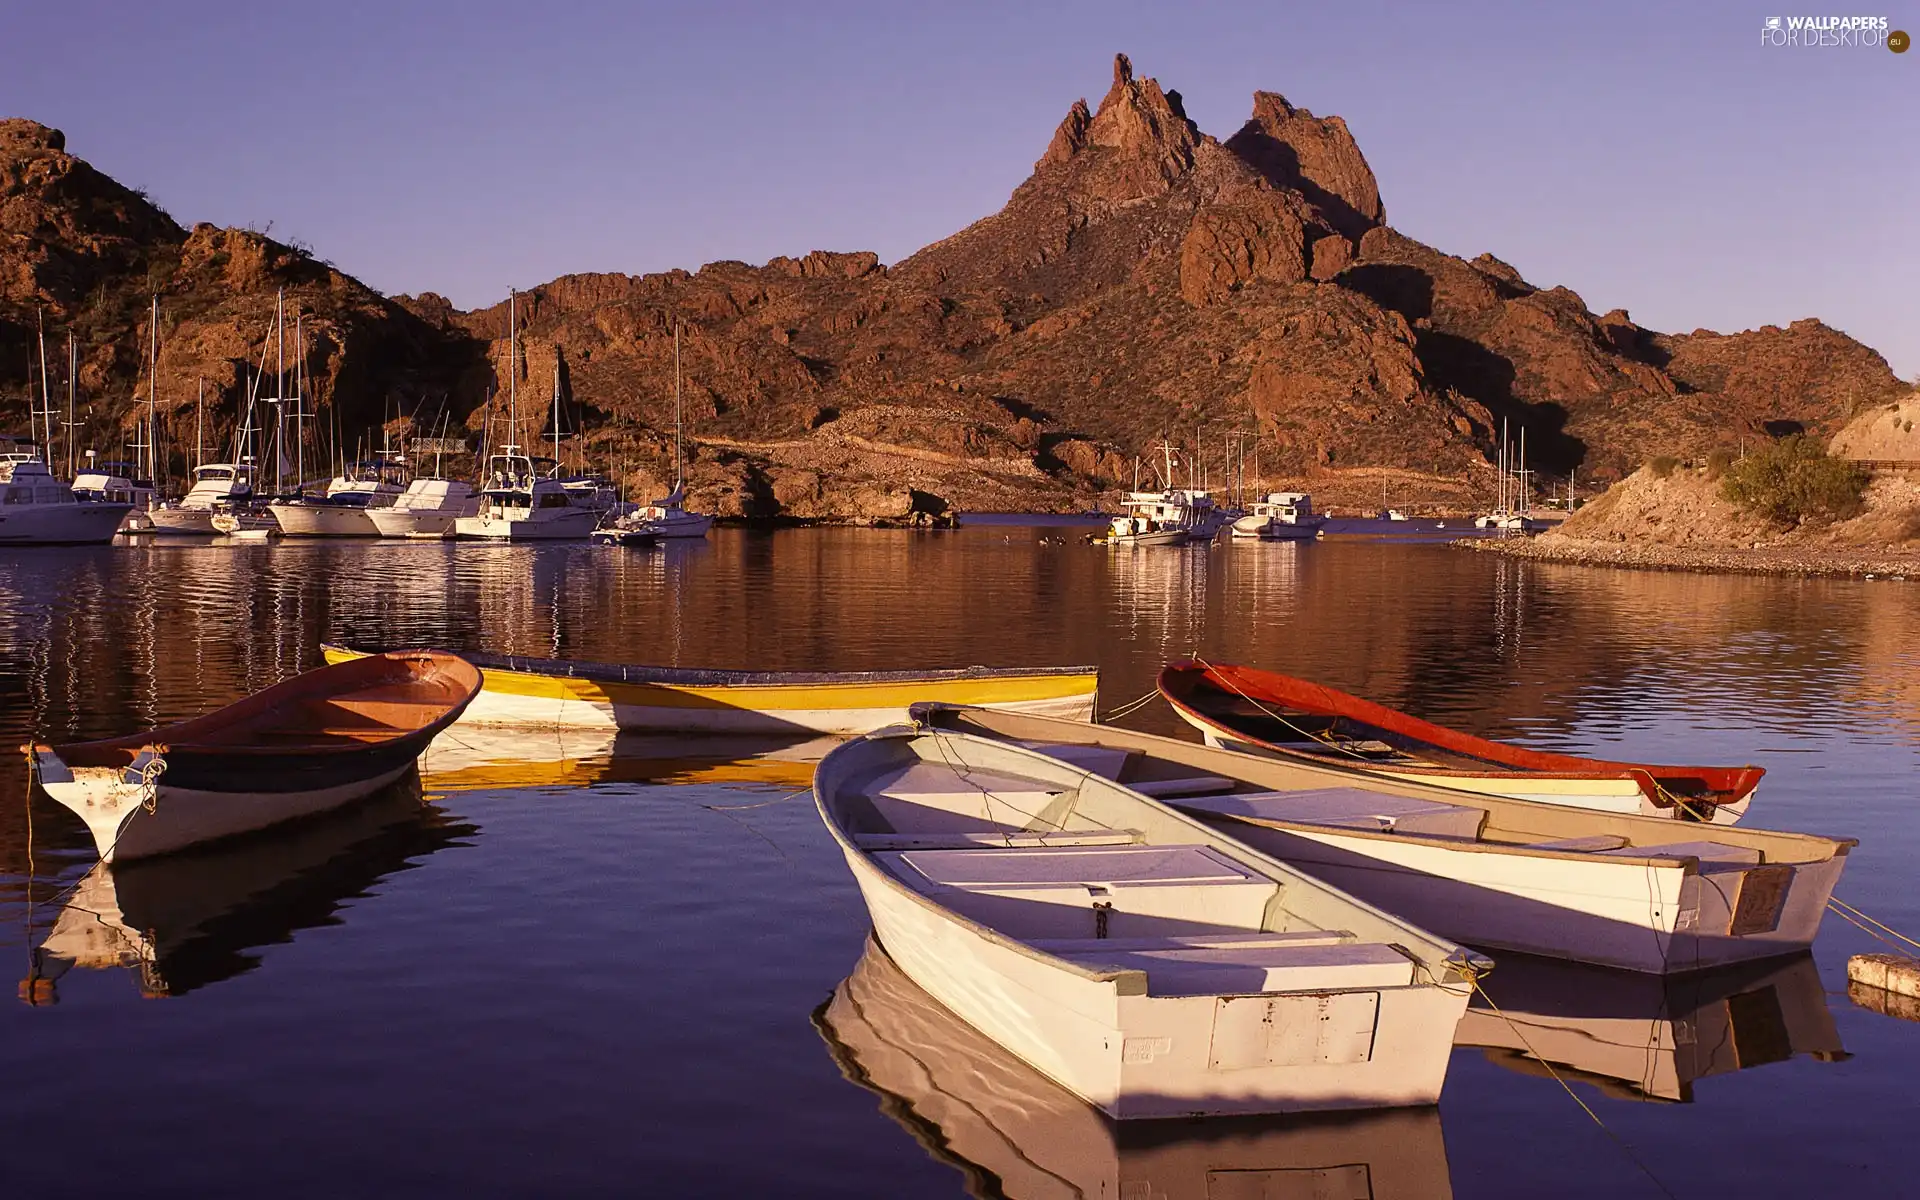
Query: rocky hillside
(1147, 282)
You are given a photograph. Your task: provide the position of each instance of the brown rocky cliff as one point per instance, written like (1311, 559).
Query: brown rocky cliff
(1147, 281)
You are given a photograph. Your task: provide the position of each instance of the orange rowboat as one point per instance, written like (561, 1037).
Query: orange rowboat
(1241, 708)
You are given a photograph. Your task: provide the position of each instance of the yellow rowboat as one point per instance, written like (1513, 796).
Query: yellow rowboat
(557, 693)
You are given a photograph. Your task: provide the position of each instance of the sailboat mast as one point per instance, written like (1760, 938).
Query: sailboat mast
(153, 389)
(299, 399)
(513, 367)
(556, 409)
(679, 453)
(200, 423)
(73, 385)
(46, 402)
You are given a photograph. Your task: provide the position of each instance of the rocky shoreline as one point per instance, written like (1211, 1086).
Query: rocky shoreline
(1806, 561)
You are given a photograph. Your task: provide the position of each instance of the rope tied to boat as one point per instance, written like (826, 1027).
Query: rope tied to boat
(1868, 925)
(1327, 741)
(1624, 1146)
(150, 774)
(1132, 706)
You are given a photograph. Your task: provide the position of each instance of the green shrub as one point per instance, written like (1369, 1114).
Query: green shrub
(1662, 466)
(1795, 480)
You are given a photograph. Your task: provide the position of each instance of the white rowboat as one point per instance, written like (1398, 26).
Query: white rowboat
(1142, 961)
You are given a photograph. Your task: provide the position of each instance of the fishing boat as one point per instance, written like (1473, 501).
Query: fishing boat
(189, 921)
(304, 746)
(1280, 516)
(1242, 708)
(427, 509)
(1148, 964)
(1641, 1037)
(544, 692)
(1605, 888)
(1012, 1132)
(38, 509)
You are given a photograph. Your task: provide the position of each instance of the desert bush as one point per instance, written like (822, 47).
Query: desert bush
(1662, 465)
(1718, 462)
(1795, 480)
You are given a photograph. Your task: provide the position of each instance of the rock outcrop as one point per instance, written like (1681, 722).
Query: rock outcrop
(1147, 282)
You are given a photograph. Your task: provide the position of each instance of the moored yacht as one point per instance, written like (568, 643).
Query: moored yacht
(1166, 518)
(36, 508)
(427, 509)
(1281, 516)
(342, 510)
(519, 504)
(113, 483)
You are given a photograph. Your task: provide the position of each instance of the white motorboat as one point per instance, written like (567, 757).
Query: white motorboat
(342, 510)
(1167, 518)
(36, 508)
(1280, 516)
(665, 518)
(427, 509)
(1640, 893)
(215, 485)
(1143, 961)
(520, 505)
(992, 1116)
(112, 483)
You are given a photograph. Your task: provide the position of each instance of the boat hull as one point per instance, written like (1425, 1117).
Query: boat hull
(1659, 917)
(131, 821)
(424, 524)
(322, 520)
(845, 707)
(182, 521)
(1262, 703)
(80, 524)
(1611, 794)
(1159, 537)
(569, 525)
(1143, 1056)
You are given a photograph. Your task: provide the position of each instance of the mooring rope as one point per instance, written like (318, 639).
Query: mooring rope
(1624, 1146)
(1868, 925)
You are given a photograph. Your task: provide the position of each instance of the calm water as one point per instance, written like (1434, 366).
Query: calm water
(598, 968)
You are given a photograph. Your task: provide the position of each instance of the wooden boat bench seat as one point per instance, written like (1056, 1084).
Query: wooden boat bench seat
(1265, 963)
(930, 797)
(1171, 789)
(1032, 892)
(1350, 808)
(1009, 838)
(1593, 844)
(1713, 856)
(1105, 761)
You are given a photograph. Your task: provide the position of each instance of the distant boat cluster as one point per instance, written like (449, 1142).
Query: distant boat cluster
(518, 496)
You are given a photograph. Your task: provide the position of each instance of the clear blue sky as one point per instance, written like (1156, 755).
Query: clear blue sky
(1653, 158)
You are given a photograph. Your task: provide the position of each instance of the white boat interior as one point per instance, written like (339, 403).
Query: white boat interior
(1091, 886)
(1642, 893)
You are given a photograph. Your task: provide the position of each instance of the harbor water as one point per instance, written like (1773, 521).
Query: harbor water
(597, 966)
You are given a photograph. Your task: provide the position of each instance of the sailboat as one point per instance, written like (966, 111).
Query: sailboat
(1512, 511)
(520, 503)
(666, 517)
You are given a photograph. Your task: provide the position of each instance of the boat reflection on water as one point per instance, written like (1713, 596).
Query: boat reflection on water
(472, 758)
(1014, 1133)
(184, 921)
(1641, 1037)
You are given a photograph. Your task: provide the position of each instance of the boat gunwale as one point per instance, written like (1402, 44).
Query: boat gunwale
(695, 677)
(933, 712)
(1178, 681)
(167, 739)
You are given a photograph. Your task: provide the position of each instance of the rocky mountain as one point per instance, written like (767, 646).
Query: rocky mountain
(1148, 282)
